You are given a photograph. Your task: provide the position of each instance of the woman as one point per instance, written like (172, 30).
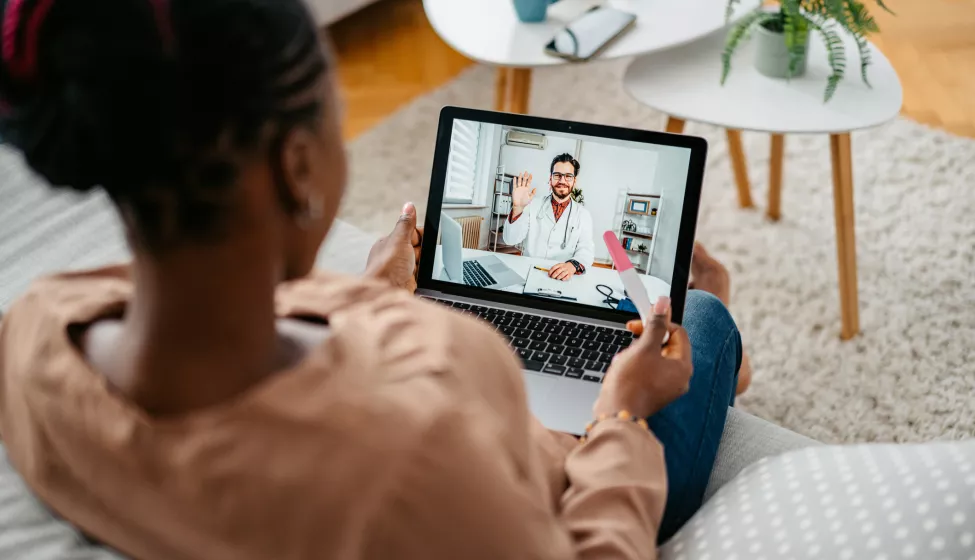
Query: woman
(212, 400)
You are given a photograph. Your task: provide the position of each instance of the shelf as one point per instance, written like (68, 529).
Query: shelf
(638, 195)
(637, 234)
(637, 252)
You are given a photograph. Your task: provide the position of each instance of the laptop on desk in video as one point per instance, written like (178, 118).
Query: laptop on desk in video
(483, 272)
(576, 180)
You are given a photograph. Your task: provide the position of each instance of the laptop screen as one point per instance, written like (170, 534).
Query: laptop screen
(522, 211)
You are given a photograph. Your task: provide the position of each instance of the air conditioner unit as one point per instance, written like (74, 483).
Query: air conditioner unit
(525, 139)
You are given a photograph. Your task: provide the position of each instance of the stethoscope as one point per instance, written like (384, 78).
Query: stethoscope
(565, 234)
(608, 293)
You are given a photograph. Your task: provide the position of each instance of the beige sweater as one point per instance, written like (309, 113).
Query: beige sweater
(404, 435)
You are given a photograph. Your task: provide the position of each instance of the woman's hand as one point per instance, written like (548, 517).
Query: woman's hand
(644, 378)
(396, 257)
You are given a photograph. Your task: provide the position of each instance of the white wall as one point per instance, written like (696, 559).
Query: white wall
(607, 168)
(605, 172)
(517, 160)
(671, 179)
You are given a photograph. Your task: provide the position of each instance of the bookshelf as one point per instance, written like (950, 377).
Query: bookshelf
(500, 207)
(636, 227)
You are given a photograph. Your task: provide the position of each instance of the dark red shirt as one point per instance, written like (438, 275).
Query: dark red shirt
(559, 207)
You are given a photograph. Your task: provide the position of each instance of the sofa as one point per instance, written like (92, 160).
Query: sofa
(29, 530)
(42, 231)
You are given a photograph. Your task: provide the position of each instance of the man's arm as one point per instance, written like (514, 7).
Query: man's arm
(516, 227)
(522, 195)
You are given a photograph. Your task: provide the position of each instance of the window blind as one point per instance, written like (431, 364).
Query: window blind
(462, 162)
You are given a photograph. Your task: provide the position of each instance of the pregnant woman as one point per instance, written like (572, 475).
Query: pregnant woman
(216, 399)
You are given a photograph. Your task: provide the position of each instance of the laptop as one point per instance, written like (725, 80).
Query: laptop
(643, 185)
(482, 272)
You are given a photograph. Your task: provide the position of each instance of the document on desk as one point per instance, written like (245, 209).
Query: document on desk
(539, 283)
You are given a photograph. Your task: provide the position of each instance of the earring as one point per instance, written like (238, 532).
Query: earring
(313, 212)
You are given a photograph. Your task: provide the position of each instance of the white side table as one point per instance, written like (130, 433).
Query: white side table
(685, 84)
(489, 32)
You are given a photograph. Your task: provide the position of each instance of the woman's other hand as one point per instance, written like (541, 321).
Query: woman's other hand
(644, 378)
(396, 257)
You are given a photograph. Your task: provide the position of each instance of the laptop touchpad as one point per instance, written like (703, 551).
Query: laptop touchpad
(538, 388)
(497, 266)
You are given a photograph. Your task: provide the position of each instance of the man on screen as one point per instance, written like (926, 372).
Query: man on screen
(554, 226)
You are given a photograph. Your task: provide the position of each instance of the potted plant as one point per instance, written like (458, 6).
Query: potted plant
(782, 37)
(577, 196)
(642, 248)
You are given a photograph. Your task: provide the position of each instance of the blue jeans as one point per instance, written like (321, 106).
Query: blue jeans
(690, 428)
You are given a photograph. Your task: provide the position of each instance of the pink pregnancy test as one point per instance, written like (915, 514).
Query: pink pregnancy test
(631, 279)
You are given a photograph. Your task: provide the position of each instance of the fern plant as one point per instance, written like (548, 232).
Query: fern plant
(795, 19)
(577, 196)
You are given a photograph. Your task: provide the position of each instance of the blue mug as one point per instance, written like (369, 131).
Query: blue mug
(532, 11)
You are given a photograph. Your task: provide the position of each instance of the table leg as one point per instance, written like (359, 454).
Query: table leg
(738, 165)
(501, 89)
(846, 249)
(519, 89)
(775, 178)
(675, 125)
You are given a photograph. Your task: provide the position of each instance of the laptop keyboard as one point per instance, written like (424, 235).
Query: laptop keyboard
(475, 275)
(550, 345)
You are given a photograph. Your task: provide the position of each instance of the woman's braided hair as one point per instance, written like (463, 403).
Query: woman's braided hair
(156, 100)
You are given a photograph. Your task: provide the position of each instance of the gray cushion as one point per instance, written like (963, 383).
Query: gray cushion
(745, 440)
(43, 231)
(28, 530)
(852, 502)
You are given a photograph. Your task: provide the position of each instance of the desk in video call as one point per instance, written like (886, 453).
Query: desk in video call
(582, 286)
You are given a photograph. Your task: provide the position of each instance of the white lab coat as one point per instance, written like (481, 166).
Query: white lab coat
(543, 237)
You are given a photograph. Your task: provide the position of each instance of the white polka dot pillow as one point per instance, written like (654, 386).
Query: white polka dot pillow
(867, 502)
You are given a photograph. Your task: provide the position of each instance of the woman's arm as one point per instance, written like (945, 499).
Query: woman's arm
(463, 495)
(484, 482)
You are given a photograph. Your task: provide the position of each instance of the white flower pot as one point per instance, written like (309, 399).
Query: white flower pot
(772, 56)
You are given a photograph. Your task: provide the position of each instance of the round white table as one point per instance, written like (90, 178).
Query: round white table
(488, 31)
(685, 84)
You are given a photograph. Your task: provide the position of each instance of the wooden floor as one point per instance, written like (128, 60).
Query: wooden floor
(389, 54)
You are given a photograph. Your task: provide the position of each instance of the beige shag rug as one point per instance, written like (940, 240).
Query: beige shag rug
(910, 376)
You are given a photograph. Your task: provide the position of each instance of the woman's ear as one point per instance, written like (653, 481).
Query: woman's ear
(299, 173)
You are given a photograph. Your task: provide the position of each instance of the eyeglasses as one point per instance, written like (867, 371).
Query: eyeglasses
(569, 177)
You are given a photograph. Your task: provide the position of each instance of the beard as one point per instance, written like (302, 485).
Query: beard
(561, 191)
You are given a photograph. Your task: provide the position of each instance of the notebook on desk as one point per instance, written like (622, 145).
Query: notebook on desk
(539, 284)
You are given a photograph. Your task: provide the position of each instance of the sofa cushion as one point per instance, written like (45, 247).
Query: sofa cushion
(745, 440)
(28, 530)
(850, 502)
